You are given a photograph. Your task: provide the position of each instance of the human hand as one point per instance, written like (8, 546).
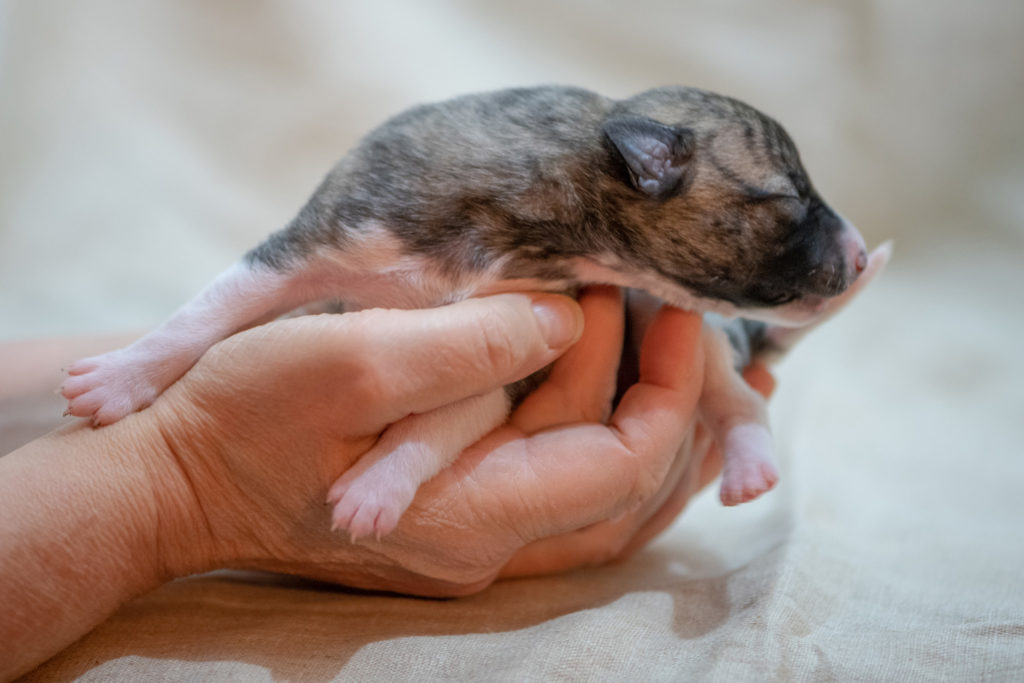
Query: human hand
(230, 466)
(269, 418)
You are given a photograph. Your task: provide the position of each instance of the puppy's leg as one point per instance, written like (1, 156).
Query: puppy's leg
(370, 497)
(110, 386)
(738, 419)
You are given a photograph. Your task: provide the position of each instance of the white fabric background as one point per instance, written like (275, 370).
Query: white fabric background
(145, 145)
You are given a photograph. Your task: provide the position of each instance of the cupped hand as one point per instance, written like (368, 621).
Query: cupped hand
(266, 421)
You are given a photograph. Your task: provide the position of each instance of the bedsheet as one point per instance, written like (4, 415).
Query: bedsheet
(147, 145)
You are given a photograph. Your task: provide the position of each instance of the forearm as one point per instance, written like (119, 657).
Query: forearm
(78, 535)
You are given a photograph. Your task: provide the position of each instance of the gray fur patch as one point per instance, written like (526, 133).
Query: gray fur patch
(529, 177)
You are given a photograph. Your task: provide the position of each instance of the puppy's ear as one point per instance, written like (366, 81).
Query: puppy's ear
(655, 154)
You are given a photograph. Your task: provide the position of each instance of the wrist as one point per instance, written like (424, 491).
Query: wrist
(142, 498)
(81, 524)
(178, 533)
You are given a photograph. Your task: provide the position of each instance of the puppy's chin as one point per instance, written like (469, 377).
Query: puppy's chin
(797, 313)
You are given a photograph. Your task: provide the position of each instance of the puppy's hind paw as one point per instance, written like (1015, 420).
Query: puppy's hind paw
(106, 388)
(370, 504)
(743, 485)
(366, 513)
(749, 468)
(363, 518)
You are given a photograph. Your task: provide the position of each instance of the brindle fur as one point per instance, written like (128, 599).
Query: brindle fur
(532, 176)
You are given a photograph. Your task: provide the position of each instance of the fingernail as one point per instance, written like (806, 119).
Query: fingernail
(560, 320)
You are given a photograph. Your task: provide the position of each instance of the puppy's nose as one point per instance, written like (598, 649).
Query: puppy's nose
(861, 261)
(855, 252)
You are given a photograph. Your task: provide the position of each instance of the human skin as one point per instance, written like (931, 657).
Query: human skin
(230, 468)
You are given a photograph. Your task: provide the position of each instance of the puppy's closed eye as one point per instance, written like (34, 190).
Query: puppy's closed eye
(792, 207)
(789, 206)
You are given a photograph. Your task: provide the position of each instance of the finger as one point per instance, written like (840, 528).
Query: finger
(577, 475)
(582, 382)
(760, 378)
(612, 540)
(706, 456)
(587, 547)
(671, 377)
(703, 464)
(698, 463)
(402, 362)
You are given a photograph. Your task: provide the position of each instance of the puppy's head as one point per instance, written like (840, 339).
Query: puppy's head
(731, 217)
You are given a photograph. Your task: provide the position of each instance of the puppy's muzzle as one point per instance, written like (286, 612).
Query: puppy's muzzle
(846, 260)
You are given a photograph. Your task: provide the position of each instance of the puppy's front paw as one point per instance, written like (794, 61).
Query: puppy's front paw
(106, 388)
(372, 502)
(372, 495)
(749, 468)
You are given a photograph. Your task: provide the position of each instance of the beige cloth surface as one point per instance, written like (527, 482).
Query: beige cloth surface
(146, 145)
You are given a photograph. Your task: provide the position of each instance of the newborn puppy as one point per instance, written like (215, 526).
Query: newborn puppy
(695, 198)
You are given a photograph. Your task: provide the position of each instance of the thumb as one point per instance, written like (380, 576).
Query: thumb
(412, 361)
